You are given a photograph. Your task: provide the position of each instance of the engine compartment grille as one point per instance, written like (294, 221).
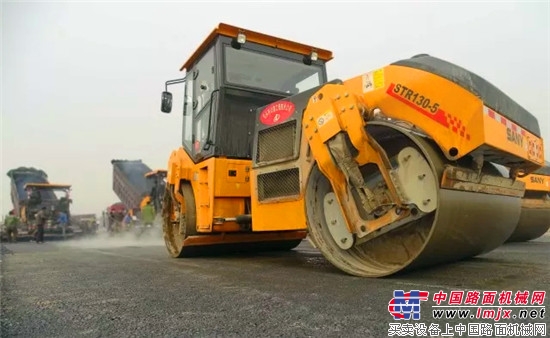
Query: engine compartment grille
(277, 143)
(277, 184)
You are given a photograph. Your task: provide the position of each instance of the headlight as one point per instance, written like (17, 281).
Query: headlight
(314, 56)
(241, 38)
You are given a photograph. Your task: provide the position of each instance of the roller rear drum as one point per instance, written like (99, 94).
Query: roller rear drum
(182, 239)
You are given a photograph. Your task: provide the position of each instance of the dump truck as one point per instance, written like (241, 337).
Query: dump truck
(386, 172)
(136, 184)
(534, 220)
(30, 191)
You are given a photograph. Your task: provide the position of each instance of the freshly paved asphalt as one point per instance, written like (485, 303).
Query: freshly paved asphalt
(123, 287)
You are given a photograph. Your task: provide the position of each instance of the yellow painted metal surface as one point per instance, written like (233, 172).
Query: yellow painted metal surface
(278, 216)
(232, 178)
(536, 182)
(453, 116)
(332, 109)
(220, 186)
(242, 238)
(506, 135)
(285, 213)
(156, 172)
(47, 186)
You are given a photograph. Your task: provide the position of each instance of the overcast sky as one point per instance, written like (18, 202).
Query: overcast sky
(81, 82)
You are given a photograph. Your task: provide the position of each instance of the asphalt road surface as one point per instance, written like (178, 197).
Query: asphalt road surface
(122, 287)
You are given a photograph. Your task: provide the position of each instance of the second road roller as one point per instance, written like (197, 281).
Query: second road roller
(534, 220)
(387, 171)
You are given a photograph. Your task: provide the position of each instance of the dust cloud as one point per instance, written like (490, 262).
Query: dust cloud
(105, 240)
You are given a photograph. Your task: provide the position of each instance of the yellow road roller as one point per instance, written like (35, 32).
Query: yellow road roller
(387, 171)
(534, 220)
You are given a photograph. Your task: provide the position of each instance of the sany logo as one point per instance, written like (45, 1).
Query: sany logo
(403, 304)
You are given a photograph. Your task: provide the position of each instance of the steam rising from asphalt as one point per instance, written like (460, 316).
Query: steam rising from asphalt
(104, 240)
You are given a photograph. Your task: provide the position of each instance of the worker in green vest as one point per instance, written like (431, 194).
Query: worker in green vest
(11, 222)
(148, 214)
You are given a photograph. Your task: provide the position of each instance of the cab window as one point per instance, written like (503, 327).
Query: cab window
(269, 72)
(204, 81)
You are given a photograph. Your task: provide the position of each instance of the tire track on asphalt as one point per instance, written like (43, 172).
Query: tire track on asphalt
(178, 263)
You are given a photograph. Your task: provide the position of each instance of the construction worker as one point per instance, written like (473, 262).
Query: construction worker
(127, 221)
(148, 214)
(111, 222)
(11, 222)
(62, 220)
(41, 218)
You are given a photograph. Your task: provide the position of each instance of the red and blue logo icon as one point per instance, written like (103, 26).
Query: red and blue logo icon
(406, 305)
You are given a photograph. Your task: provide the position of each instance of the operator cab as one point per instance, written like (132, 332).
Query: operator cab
(228, 77)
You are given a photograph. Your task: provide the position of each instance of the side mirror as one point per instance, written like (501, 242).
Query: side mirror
(166, 105)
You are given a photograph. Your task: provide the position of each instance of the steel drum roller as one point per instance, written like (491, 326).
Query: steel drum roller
(533, 223)
(534, 220)
(464, 224)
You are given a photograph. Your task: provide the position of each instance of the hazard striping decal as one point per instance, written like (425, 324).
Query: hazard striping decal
(535, 150)
(518, 135)
(456, 125)
(501, 119)
(428, 108)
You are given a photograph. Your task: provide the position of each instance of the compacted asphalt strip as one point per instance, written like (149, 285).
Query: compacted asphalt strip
(121, 287)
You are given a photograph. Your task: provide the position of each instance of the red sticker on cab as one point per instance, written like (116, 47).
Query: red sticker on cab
(277, 112)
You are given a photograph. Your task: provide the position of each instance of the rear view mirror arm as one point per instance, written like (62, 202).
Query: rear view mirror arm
(171, 82)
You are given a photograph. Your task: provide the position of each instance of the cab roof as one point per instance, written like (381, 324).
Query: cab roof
(47, 186)
(260, 38)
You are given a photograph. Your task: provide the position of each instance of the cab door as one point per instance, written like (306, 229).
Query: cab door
(205, 99)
